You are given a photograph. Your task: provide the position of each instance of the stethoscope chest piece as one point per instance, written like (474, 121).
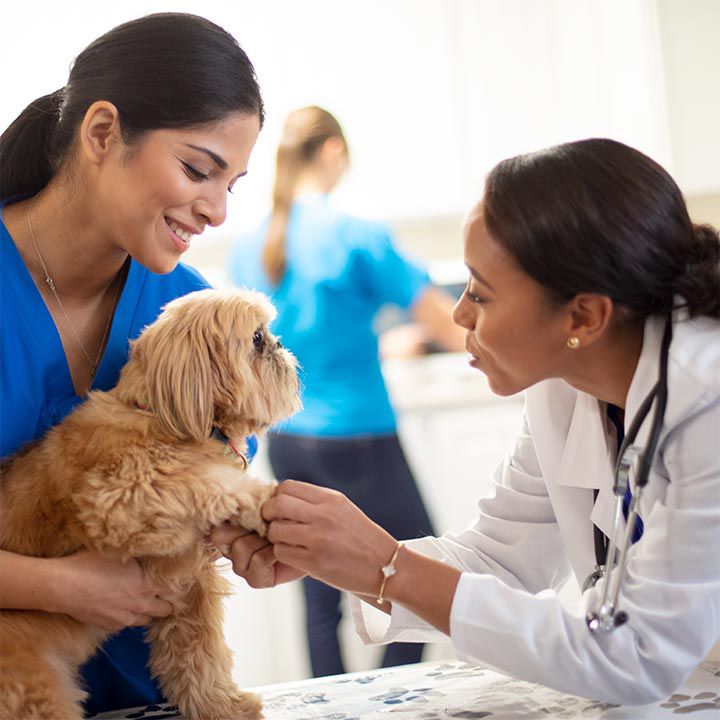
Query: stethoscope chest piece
(605, 621)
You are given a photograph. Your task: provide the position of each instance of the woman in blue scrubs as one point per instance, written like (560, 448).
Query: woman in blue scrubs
(104, 184)
(329, 273)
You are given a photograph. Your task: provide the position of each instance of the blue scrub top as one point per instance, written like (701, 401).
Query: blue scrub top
(340, 271)
(36, 392)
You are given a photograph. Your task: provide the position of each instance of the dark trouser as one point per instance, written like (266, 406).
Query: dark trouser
(374, 474)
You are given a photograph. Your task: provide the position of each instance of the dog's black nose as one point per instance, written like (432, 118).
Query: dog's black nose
(278, 344)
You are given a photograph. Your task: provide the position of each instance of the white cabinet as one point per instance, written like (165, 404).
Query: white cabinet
(454, 431)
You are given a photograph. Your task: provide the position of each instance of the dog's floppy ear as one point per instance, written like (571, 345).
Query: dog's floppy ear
(178, 373)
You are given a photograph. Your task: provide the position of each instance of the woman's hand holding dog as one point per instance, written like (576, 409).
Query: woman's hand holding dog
(321, 532)
(106, 593)
(312, 531)
(252, 557)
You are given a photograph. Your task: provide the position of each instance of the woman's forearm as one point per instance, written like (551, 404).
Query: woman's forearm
(95, 589)
(26, 583)
(433, 310)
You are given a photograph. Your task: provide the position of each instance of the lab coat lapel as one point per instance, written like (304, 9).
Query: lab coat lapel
(586, 457)
(587, 462)
(576, 459)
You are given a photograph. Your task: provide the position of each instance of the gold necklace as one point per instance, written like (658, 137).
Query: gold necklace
(51, 284)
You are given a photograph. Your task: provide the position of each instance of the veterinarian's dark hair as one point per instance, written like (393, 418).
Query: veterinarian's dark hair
(168, 70)
(598, 216)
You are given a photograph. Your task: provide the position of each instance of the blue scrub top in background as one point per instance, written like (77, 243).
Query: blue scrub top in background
(36, 392)
(340, 271)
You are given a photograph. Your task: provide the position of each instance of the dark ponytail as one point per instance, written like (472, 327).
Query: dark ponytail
(598, 216)
(28, 150)
(168, 70)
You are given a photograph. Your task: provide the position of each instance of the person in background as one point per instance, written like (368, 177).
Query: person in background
(329, 274)
(591, 290)
(104, 184)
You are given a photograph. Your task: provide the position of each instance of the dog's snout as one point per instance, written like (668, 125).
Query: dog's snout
(278, 344)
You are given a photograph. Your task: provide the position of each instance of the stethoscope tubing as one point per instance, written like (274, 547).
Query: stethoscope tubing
(607, 617)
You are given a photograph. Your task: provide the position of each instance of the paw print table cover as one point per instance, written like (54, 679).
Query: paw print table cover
(442, 691)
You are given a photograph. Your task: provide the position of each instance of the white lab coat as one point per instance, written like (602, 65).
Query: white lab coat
(535, 528)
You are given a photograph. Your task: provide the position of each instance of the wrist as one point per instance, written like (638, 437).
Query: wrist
(387, 571)
(395, 583)
(423, 585)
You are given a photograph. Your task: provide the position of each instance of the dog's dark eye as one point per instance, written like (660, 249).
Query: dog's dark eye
(258, 339)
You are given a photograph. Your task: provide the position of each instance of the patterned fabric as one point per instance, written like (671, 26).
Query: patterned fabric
(432, 691)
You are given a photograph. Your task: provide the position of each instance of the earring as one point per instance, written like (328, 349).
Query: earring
(573, 343)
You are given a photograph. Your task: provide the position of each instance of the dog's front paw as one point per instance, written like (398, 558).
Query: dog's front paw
(247, 706)
(248, 514)
(228, 705)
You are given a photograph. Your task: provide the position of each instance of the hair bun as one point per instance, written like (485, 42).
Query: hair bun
(707, 241)
(699, 283)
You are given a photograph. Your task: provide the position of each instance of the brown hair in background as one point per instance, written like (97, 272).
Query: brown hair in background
(303, 135)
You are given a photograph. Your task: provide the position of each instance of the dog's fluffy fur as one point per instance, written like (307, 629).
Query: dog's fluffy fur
(134, 473)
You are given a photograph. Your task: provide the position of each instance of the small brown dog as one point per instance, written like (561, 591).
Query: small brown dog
(138, 472)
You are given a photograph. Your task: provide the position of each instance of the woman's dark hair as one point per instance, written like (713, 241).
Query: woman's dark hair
(598, 216)
(168, 70)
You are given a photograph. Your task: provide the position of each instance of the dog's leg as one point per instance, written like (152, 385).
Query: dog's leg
(39, 656)
(168, 513)
(37, 683)
(240, 504)
(192, 661)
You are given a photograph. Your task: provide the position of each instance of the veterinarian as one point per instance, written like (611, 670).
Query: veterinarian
(591, 290)
(329, 274)
(104, 184)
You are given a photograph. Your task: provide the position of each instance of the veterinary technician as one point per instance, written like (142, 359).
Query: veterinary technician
(104, 184)
(328, 274)
(591, 290)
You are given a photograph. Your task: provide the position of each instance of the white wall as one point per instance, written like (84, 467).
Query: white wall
(431, 92)
(690, 38)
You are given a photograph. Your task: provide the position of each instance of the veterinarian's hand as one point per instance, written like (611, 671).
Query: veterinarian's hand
(107, 593)
(252, 557)
(321, 532)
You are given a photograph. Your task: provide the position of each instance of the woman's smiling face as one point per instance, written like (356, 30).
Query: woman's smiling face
(515, 334)
(157, 195)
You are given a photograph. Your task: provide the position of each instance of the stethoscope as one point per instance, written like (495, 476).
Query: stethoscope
(606, 616)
